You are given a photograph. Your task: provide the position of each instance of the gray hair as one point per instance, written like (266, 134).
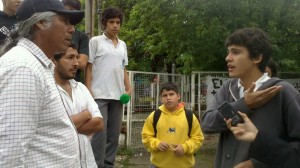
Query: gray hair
(25, 29)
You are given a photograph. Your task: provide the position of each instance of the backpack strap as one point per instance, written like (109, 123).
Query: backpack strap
(156, 116)
(188, 115)
(189, 118)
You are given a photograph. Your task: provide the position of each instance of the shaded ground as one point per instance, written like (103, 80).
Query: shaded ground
(139, 158)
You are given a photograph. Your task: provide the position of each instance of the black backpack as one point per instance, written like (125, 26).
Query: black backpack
(188, 114)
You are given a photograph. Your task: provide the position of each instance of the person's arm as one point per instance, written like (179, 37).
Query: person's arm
(80, 118)
(93, 44)
(193, 144)
(255, 99)
(83, 60)
(21, 95)
(95, 124)
(150, 142)
(212, 120)
(127, 82)
(258, 98)
(83, 50)
(88, 77)
(276, 153)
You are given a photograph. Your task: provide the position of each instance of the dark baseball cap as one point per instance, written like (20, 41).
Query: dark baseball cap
(30, 7)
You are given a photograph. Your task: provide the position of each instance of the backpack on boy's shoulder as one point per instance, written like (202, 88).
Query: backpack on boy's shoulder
(188, 114)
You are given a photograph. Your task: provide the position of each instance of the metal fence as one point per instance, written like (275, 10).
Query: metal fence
(193, 89)
(145, 99)
(199, 89)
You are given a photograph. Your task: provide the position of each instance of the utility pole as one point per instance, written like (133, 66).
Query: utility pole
(99, 16)
(88, 17)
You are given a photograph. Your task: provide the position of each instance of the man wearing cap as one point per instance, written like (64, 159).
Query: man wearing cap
(36, 130)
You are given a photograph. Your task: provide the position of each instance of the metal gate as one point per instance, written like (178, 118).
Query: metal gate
(145, 99)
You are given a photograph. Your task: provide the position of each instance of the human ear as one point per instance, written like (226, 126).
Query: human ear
(41, 25)
(178, 96)
(258, 59)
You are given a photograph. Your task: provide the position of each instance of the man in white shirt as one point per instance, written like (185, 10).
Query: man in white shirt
(36, 130)
(79, 103)
(107, 79)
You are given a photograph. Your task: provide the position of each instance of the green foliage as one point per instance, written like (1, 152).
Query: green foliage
(81, 25)
(126, 154)
(191, 33)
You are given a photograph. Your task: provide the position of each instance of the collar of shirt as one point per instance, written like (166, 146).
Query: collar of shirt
(258, 84)
(106, 38)
(73, 83)
(37, 52)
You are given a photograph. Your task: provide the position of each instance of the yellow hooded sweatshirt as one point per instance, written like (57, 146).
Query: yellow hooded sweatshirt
(172, 128)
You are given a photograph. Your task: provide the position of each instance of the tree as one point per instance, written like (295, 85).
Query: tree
(191, 33)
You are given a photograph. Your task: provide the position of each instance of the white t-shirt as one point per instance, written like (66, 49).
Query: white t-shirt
(81, 100)
(108, 67)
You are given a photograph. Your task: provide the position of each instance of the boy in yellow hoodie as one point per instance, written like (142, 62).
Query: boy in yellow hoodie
(172, 145)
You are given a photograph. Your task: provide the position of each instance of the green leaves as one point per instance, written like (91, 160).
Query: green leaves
(191, 33)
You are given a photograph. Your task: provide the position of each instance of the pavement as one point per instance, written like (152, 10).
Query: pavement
(204, 158)
(142, 160)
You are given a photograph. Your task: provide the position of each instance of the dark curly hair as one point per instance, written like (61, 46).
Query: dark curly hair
(256, 41)
(110, 13)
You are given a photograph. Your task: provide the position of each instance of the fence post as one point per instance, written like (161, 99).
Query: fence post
(129, 111)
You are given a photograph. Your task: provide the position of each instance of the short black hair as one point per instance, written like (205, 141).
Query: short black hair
(73, 3)
(110, 13)
(169, 86)
(256, 41)
(57, 57)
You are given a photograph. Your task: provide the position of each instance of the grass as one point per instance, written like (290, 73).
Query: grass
(125, 154)
(207, 154)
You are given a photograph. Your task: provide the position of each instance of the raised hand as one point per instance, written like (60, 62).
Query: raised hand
(258, 98)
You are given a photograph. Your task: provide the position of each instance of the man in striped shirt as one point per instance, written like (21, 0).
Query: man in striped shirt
(35, 129)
